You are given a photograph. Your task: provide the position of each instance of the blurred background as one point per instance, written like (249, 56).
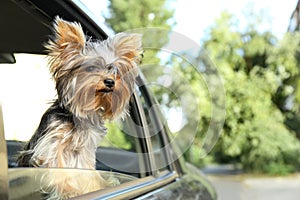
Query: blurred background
(255, 47)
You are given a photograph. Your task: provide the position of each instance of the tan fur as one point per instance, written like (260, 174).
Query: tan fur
(64, 184)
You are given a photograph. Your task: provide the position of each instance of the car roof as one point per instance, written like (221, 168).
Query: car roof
(25, 25)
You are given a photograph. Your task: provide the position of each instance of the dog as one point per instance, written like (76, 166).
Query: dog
(94, 81)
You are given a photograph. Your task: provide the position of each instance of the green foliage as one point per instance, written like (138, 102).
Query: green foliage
(142, 16)
(116, 138)
(270, 145)
(145, 13)
(261, 78)
(255, 67)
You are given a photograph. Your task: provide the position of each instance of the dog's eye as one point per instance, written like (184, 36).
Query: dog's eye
(110, 67)
(91, 69)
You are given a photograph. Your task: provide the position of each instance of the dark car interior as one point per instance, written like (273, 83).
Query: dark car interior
(20, 31)
(23, 32)
(107, 159)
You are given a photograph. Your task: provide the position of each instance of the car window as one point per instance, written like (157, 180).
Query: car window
(27, 90)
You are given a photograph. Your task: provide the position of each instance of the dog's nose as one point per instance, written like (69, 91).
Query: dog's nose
(109, 82)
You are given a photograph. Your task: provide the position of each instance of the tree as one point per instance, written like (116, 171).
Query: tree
(146, 17)
(287, 96)
(146, 13)
(261, 78)
(254, 66)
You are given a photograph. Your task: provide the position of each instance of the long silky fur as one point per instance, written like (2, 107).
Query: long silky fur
(73, 126)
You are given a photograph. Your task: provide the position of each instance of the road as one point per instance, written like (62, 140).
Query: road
(245, 187)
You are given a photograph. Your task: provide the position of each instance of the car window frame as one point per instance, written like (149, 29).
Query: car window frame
(133, 188)
(4, 188)
(169, 149)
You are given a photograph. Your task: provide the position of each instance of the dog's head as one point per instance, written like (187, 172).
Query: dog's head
(93, 77)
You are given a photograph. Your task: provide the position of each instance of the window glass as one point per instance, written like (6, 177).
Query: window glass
(26, 91)
(155, 127)
(118, 137)
(120, 149)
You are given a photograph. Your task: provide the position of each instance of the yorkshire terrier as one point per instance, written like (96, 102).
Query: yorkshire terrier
(94, 82)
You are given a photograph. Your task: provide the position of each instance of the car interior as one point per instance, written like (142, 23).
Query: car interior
(22, 31)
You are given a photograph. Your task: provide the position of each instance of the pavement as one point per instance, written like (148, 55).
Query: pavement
(232, 184)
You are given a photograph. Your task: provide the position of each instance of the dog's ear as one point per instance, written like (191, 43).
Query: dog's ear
(67, 42)
(128, 45)
(68, 38)
(67, 34)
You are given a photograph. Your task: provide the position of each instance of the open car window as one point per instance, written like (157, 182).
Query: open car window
(122, 156)
(26, 92)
